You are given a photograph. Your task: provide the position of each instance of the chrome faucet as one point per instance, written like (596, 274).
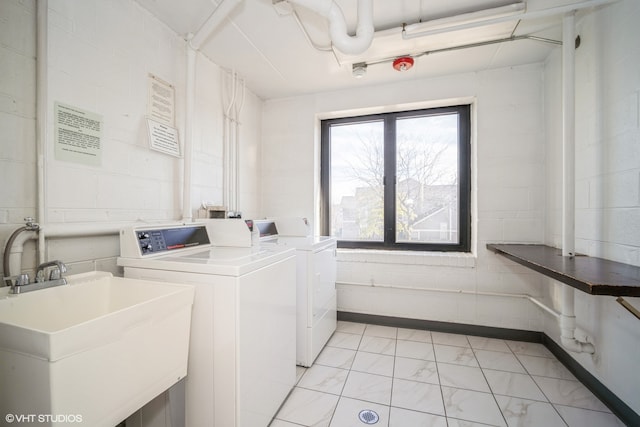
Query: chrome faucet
(55, 273)
(22, 284)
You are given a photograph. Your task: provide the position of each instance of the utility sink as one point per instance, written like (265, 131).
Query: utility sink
(94, 351)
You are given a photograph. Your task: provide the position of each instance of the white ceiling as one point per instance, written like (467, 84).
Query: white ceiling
(275, 58)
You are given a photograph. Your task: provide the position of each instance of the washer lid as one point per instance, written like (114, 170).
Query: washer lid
(224, 261)
(308, 243)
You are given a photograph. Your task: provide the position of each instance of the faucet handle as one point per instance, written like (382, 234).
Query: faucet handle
(56, 273)
(22, 279)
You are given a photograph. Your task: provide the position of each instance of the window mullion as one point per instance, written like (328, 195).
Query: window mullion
(390, 180)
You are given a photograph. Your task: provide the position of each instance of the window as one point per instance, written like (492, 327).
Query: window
(398, 180)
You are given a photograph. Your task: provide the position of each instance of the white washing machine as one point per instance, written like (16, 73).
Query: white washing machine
(242, 347)
(316, 282)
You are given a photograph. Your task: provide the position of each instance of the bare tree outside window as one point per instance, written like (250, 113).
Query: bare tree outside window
(357, 174)
(395, 179)
(427, 177)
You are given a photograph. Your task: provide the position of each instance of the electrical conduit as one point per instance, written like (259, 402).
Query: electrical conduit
(194, 42)
(237, 110)
(187, 215)
(227, 138)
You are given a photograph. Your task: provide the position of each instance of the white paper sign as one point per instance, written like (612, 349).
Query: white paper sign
(161, 103)
(78, 135)
(163, 138)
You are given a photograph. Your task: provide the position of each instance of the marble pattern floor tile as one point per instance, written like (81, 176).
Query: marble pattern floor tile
(336, 357)
(529, 413)
(308, 408)
(368, 387)
(417, 396)
(424, 371)
(513, 384)
(350, 327)
(492, 344)
(415, 350)
(456, 355)
(344, 340)
(324, 378)
(414, 378)
(450, 339)
(414, 335)
(467, 377)
(379, 345)
(500, 361)
(472, 406)
(545, 367)
(379, 364)
(348, 411)
(577, 417)
(404, 418)
(569, 393)
(529, 349)
(381, 331)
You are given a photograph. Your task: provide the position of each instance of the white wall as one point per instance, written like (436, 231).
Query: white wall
(17, 116)
(607, 182)
(508, 188)
(100, 55)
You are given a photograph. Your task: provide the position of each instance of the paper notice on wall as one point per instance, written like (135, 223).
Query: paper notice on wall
(163, 138)
(161, 103)
(78, 135)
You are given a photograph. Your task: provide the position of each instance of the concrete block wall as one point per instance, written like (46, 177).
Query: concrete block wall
(508, 186)
(17, 117)
(95, 68)
(607, 182)
(100, 54)
(17, 111)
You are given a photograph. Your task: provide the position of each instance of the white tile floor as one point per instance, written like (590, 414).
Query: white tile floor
(412, 378)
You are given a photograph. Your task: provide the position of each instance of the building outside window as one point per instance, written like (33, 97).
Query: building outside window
(398, 180)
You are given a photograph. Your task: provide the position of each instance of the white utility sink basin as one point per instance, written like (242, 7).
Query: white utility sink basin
(98, 348)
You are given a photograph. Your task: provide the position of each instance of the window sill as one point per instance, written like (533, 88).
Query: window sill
(440, 259)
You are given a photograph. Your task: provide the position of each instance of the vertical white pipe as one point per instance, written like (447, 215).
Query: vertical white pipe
(238, 110)
(568, 324)
(187, 215)
(568, 137)
(42, 104)
(568, 318)
(228, 148)
(225, 156)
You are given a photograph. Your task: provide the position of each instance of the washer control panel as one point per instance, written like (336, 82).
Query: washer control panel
(153, 241)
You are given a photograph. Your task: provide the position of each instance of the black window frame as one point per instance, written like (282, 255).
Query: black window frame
(464, 187)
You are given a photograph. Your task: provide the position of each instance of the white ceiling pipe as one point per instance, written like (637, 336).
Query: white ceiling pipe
(349, 45)
(215, 19)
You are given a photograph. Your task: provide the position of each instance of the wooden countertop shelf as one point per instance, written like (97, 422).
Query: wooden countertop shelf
(595, 276)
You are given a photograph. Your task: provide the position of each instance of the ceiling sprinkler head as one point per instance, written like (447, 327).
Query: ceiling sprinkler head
(403, 63)
(359, 70)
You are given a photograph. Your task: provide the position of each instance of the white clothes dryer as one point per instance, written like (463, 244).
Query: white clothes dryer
(316, 282)
(242, 347)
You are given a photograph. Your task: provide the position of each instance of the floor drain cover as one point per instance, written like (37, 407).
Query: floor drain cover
(368, 416)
